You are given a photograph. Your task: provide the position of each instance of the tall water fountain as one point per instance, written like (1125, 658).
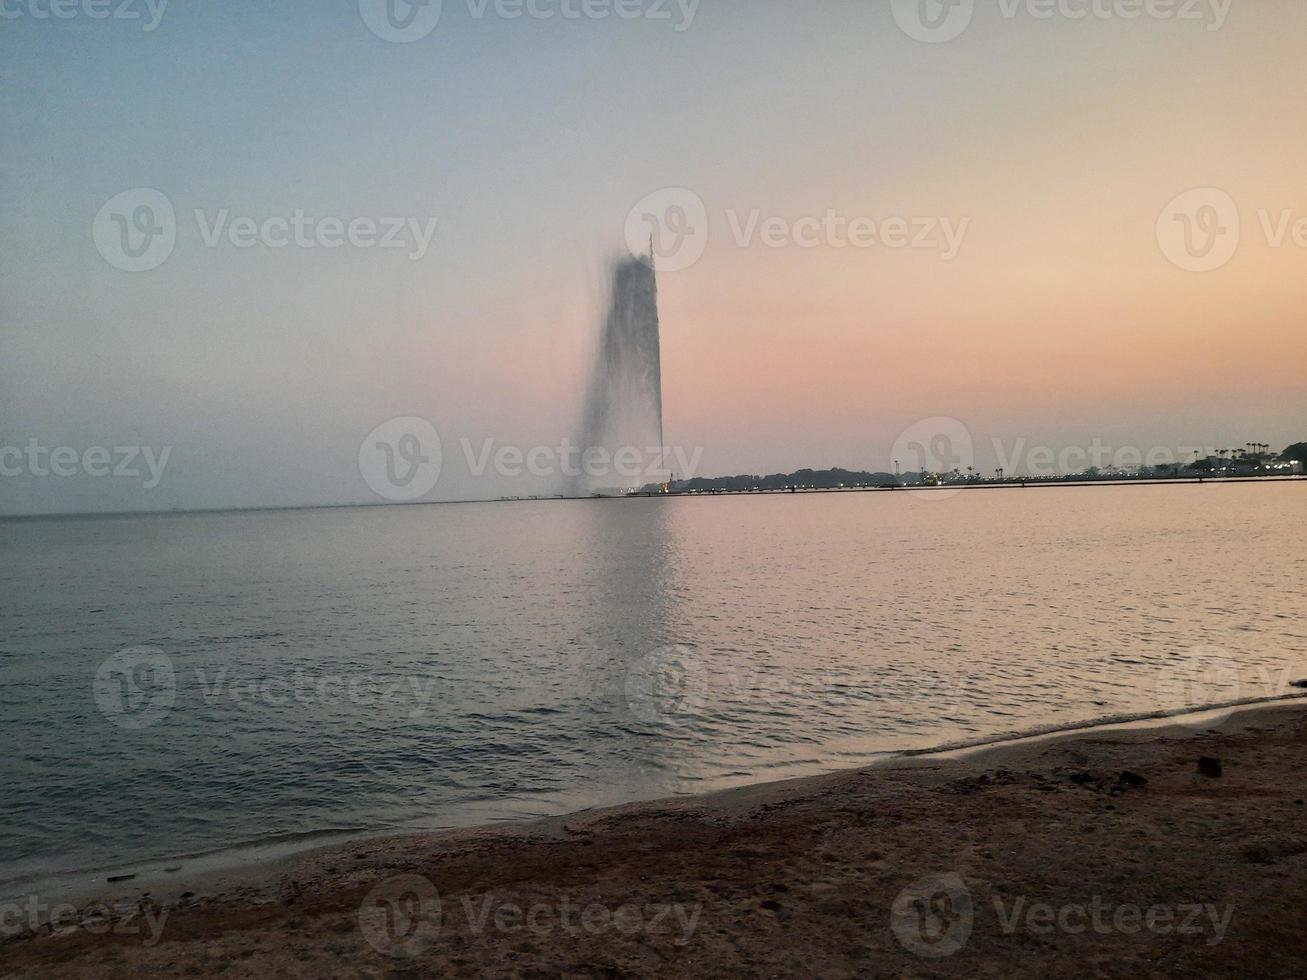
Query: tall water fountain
(624, 402)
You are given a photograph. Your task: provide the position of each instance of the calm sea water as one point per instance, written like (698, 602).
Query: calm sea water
(174, 686)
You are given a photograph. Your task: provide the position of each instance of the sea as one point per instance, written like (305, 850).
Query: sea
(188, 691)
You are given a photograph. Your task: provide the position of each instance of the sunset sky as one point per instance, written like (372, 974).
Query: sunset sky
(1060, 143)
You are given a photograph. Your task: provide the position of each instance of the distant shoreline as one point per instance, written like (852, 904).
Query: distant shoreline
(1029, 484)
(1018, 484)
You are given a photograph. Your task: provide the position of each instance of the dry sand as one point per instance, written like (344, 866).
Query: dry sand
(1039, 860)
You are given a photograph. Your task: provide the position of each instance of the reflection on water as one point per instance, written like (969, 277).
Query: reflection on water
(378, 669)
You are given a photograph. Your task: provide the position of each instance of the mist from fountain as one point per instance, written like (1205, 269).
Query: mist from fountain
(624, 400)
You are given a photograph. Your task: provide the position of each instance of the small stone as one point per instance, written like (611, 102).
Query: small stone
(1258, 854)
(1209, 767)
(1133, 779)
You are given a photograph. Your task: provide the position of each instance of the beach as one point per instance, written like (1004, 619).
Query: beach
(1177, 849)
(650, 489)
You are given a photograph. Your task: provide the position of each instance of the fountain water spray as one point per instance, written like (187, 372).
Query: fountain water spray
(624, 402)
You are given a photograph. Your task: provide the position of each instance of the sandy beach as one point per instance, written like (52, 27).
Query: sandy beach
(1158, 852)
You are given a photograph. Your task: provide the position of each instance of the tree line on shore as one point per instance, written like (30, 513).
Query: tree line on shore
(838, 478)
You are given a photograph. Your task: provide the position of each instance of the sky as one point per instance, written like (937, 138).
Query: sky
(1011, 224)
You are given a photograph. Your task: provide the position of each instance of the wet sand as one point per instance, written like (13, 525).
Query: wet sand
(1109, 852)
